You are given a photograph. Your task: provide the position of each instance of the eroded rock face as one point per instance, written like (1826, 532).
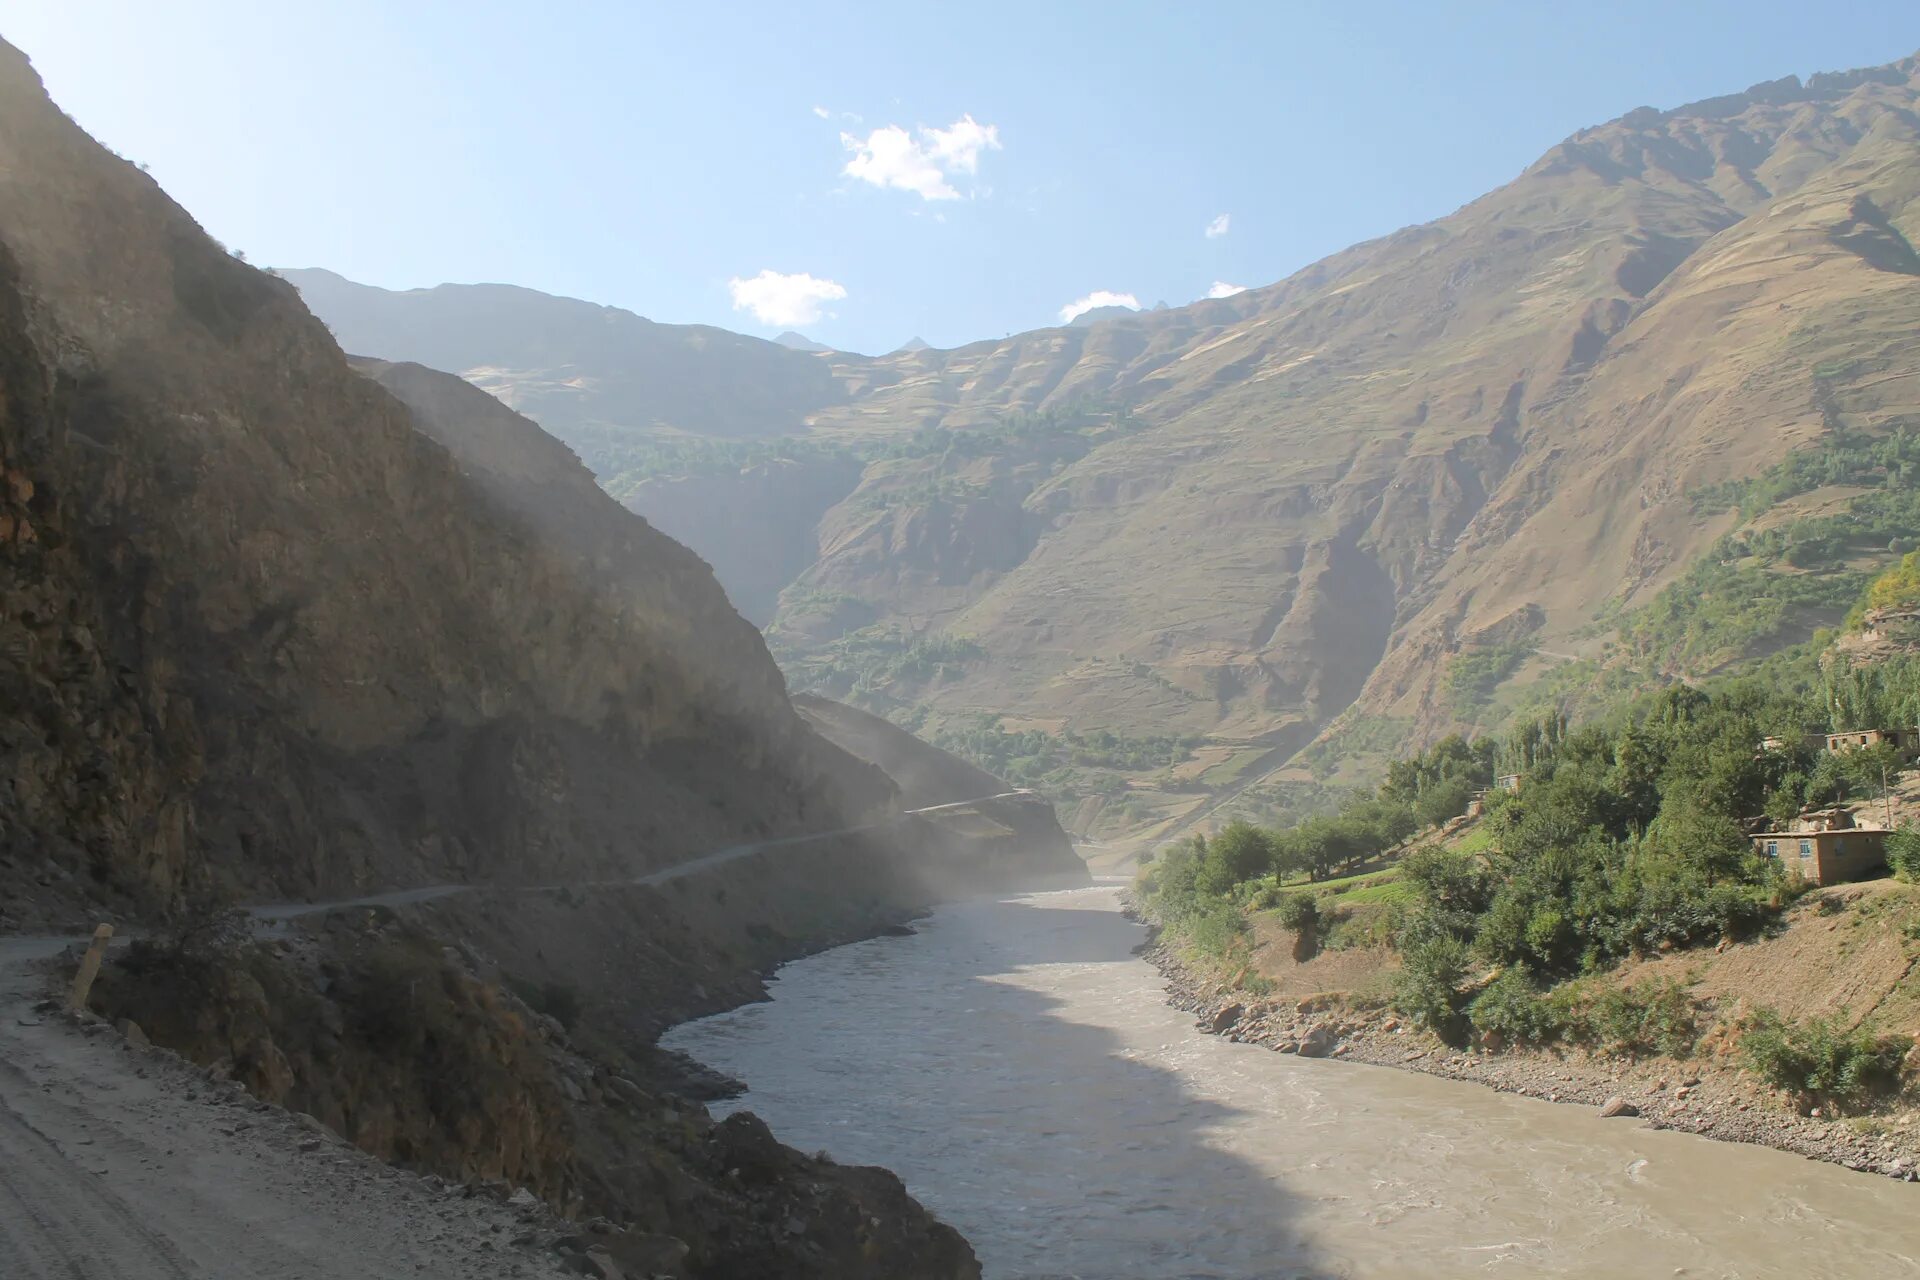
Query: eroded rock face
(262, 626)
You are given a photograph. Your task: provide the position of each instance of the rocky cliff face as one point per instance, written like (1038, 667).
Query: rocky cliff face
(266, 627)
(274, 626)
(1243, 517)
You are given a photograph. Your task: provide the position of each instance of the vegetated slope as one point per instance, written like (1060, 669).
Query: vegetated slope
(261, 631)
(1383, 483)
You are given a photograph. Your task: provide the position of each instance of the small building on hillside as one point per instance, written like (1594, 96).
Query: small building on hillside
(1905, 741)
(1811, 741)
(1825, 847)
(1508, 782)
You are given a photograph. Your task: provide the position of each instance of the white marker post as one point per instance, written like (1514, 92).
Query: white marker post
(89, 968)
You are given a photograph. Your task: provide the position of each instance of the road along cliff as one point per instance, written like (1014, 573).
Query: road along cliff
(270, 631)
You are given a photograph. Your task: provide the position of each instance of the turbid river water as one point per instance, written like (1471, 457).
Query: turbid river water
(1015, 1064)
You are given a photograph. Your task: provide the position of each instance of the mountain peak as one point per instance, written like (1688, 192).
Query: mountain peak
(1099, 315)
(800, 342)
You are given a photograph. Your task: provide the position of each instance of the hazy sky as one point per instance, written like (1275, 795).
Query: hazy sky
(870, 172)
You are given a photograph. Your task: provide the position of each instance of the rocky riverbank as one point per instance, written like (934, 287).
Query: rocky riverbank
(1704, 1096)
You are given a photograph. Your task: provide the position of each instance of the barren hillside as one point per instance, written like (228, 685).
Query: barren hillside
(1459, 444)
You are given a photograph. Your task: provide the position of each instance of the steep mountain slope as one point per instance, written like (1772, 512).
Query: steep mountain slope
(1387, 485)
(270, 630)
(260, 630)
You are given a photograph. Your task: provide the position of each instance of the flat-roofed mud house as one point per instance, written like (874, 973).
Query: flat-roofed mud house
(1905, 741)
(1825, 848)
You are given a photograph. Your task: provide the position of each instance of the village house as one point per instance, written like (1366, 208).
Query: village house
(1825, 847)
(1507, 782)
(1905, 741)
(1811, 741)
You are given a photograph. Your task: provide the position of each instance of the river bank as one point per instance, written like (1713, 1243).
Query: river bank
(1701, 1096)
(1019, 1066)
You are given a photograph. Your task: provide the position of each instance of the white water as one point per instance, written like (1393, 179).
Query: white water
(1017, 1066)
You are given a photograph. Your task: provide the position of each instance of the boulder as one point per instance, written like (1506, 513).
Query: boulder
(746, 1144)
(1316, 1042)
(1227, 1017)
(1617, 1106)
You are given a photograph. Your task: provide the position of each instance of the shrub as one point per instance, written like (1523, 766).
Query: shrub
(1215, 928)
(1512, 1007)
(1820, 1059)
(1299, 912)
(1428, 988)
(398, 1000)
(1903, 853)
(1649, 1017)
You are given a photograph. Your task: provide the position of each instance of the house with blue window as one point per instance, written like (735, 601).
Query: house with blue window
(1825, 847)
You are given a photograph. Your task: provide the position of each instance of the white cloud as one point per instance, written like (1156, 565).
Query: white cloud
(1098, 298)
(1221, 289)
(892, 157)
(787, 301)
(823, 113)
(1219, 226)
(957, 147)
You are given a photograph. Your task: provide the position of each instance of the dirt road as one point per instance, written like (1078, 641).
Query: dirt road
(122, 1163)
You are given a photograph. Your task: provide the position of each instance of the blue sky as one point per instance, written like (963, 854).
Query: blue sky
(871, 172)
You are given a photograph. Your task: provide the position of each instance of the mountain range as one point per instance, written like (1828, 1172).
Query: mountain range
(1374, 503)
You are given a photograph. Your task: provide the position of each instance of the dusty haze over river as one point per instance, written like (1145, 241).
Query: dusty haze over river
(1014, 1063)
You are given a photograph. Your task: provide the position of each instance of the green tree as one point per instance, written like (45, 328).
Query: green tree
(1239, 852)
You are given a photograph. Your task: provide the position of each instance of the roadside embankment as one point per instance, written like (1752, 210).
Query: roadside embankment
(118, 1158)
(503, 1040)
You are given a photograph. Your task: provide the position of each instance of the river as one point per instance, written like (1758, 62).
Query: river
(1015, 1063)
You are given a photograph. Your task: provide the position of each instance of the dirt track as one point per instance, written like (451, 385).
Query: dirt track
(124, 1163)
(120, 1162)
